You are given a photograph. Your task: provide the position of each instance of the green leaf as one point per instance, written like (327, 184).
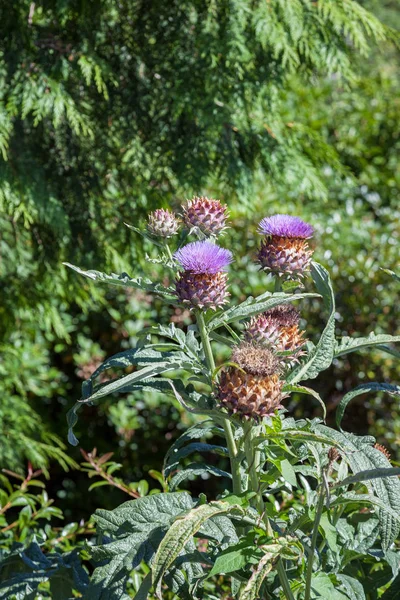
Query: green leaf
(196, 470)
(353, 587)
(363, 389)
(288, 387)
(234, 559)
(253, 306)
(252, 589)
(321, 356)
(132, 378)
(368, 475)
(323, 587)
(348, 344)
(181, 531)
(123, 280)
(198, 431)
(288, 473)
(175, 457)
(145, 587)
(393, 593)
(329, 531)
(136, 529)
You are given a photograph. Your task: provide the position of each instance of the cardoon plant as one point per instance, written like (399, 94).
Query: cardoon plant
(305, 510)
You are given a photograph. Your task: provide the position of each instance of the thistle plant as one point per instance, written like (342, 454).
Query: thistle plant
(305, 510)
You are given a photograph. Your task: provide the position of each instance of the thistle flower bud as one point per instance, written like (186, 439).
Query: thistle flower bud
(285, 249)
(207, 214)
(203, 284)
(162, 223)
(278, 328)
(254, 390)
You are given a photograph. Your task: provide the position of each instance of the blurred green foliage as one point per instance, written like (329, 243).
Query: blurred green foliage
(110, 109)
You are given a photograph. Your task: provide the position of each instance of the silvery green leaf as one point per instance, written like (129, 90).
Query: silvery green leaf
(136, 528)
(321, 356)
(124, 280)
(196, 470)
(180, 532)
(176, 455)
(364, 389)
(253, 306)
(352, 344)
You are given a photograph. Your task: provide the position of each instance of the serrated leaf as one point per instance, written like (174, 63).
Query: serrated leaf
(362, 456)
(321, 356)
(348, 344)
(123, 280)
(133, 378)
(368, 475)
(363, 389)
(253, 306)
(181, 531)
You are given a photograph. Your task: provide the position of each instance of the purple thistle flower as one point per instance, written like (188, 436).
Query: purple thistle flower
(203, 257)
(285, 226)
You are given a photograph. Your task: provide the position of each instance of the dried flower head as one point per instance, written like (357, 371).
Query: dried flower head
(285, 226)
(203, 284)
(203, 257)
(285, 250)
(162, 223)
(207, 214)
(256, 360)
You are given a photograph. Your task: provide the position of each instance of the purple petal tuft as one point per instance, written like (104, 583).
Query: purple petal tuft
(203, 257)
(285, 226)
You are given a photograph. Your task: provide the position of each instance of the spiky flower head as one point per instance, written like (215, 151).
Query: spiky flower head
(285, 251)
(203, 284)
(162, 223)
(252, 390)
(207, 214)
(278, 328)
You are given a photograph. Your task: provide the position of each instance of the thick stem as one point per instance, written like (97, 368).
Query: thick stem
(314, 538)
(253, 458)
(230, 440)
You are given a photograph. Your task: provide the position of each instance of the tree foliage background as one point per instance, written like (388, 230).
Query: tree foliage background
(110, 109)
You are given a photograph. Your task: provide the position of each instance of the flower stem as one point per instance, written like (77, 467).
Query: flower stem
(278, 284)
(169, 253)
(230, 440)
(318, 515)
